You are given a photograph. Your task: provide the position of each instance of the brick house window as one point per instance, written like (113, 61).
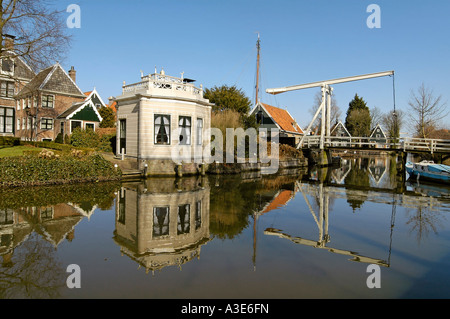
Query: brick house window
(48, 101)
(46, 124)
(6, 120)
(74, 125)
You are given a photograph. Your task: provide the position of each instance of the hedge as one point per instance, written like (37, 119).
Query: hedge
(66, 169)
(9, 141)
(67, 148)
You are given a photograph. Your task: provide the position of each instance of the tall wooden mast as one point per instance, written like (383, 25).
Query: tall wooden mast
(258, 47)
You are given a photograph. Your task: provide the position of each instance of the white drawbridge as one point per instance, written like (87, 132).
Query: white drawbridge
(325, 106)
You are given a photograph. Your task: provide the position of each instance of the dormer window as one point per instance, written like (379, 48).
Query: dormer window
(6, 89)
(7, 66)
(259, 117)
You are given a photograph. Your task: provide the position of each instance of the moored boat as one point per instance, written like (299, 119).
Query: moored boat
(428, 170)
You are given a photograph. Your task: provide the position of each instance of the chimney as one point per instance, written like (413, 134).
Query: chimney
(73, 74)
(8, 42)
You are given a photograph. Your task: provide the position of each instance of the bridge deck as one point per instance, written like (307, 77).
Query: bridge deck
(406, 144)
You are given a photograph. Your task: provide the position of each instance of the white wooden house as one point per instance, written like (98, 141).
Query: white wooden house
(158, 114)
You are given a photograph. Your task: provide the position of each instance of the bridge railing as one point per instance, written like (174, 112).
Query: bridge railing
(404, 143)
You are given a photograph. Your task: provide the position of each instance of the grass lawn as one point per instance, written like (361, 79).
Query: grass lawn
(16, 150)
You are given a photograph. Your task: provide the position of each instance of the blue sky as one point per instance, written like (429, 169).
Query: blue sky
(214, 42)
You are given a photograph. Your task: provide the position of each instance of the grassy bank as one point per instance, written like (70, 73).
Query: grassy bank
(46, 168)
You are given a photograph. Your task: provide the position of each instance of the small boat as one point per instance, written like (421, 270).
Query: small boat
(428, 170)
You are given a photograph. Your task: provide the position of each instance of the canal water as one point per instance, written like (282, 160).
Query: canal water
(354, 231)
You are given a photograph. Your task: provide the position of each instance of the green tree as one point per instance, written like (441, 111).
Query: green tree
(228, 98)
(108, 116)
(358, 120)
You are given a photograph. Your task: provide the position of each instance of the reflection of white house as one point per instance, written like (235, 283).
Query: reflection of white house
(339, 174)
(377, 169)
(159, 114)
(163, 222)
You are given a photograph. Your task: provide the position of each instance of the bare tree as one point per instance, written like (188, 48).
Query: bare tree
(376, 116)
(392, 123)
(39, 31)
(335, 111)
(426, 111)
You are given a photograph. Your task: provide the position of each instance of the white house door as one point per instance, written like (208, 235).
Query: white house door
(123, 137)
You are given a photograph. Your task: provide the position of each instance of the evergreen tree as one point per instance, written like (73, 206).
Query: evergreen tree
(358, 120)
(228, 98)
(108, 116)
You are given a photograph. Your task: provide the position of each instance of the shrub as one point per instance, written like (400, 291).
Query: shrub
(84, 138)
(59, 139)
(100, 141)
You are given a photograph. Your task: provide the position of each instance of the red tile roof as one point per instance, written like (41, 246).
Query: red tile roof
(281, 200)
(113, 105)
(283, 119)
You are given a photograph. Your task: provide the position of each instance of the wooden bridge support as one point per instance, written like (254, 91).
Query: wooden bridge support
(401, 170)
(318, 157)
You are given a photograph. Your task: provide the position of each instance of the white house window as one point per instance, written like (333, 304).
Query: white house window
(199, 131)
(48, 101)
(183, 222)
(198, 214)
(46, 124)
(6, 89)
(6, 120)
(18, 124)
(162, 129)
(90, 126)
(24, 123)
(160, 221)
(184, 125)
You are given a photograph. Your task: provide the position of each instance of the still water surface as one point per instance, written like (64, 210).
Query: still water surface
(299, 234)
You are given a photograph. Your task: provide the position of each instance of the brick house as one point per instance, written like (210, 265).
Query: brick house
(15, 73)
(39, 103)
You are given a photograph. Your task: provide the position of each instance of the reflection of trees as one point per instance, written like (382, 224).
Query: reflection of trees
(423, 220)
(32, 271)
(358, 176)
(229, 207)
(235, 200)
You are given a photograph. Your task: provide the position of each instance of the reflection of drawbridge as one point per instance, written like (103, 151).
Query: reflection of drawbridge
(321, 220)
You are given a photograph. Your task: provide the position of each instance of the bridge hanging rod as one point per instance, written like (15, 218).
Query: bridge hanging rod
(329, 82)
